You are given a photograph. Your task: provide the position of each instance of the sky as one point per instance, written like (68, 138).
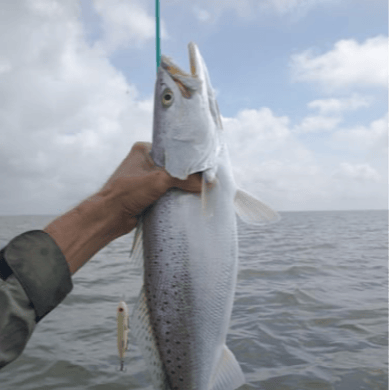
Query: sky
(302, 87)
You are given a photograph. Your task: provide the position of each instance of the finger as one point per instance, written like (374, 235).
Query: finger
(141, 152)
(192, 184)
(142, 147)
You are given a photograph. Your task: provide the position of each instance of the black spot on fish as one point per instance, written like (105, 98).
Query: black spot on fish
(167, 340)
(179, 367)
(178, 358)
(177, 342)
(180, 379)
(169, 351)
(168, 361)
(172, 372)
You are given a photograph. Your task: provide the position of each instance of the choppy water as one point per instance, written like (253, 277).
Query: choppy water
(311, 310)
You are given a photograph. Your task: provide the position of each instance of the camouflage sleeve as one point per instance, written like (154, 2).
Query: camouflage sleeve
(34, 279)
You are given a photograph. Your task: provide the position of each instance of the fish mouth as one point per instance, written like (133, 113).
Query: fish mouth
(192, 51)
(187, 83)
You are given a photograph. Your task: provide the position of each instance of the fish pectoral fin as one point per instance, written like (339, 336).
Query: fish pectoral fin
(137, 250)
(228, 374)
(141, 327)
(208, 202)
(253, 211)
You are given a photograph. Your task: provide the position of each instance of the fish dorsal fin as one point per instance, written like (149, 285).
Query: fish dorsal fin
(137, 250)
(141, 328)
(252, 210)
(228, 374)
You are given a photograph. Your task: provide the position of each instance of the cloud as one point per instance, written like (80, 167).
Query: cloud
(67, 115)
(267, 159)
(360, 172)
(336, 106)
(348, 64)
(374, 137)
(271, 161)
(330, 113)
(318, 123)
(201, 14)
(288, 6)
(124, 23)
(211, 10)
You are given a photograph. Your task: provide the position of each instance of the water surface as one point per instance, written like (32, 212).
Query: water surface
(311, 310)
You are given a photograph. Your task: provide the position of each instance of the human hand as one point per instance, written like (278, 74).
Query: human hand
(138, 182)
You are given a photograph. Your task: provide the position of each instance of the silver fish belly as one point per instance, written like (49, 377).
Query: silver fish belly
(190, 262)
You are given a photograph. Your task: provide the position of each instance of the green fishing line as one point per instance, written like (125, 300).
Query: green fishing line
(158, 53)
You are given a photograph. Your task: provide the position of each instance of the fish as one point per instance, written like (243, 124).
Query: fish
(122, 320)
(186, 243)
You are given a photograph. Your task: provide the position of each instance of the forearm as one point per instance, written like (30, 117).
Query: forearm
(84, 230)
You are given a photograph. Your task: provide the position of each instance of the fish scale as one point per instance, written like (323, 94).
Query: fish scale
(189, 306)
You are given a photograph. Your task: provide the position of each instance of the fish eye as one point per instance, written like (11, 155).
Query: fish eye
(167, 97)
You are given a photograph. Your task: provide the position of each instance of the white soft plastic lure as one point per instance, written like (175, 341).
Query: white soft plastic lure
(188, 242)
(122, 320)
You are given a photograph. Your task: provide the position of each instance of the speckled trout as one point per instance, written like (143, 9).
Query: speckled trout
(188, 242)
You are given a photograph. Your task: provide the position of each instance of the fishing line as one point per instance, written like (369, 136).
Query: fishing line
(158, 53)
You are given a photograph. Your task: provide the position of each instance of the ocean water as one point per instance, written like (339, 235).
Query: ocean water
(310, 312)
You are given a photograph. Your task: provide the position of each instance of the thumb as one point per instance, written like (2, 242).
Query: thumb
(192, 184)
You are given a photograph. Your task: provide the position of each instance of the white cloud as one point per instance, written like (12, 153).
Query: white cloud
(288, 6)
(330, 113)
(67, 115)
(202, 14)
(374, 137)
(318, 123)
(329, 106)
(261, 126)
(124, 23)
(360, 172)
(267, 159)
(270, 161)
(211, 10)
(348, 64)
